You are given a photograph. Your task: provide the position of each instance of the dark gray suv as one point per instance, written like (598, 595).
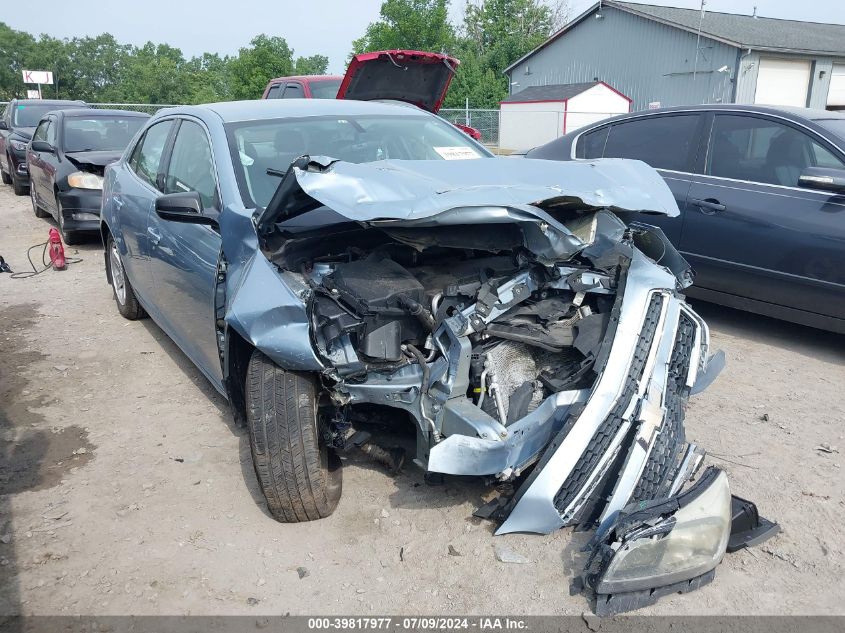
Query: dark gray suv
(762, 198)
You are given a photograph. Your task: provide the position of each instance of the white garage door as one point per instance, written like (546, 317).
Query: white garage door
(836, 96)
(783, 82)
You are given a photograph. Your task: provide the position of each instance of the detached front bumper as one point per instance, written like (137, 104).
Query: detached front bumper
(81, 209)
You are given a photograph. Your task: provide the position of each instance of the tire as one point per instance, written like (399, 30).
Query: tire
(300, 478)
(124, 295)
(38, 211)
(19, 189)
(68, 237)
(7, 179)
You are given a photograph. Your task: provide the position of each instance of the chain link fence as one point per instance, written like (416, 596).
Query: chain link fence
(485, 121)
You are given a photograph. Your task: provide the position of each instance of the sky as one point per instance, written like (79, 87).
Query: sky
(323, 26)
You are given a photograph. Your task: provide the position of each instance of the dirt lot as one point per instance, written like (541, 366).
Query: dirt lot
(125, 488)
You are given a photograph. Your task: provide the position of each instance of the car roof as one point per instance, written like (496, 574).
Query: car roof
(71, 112)
(307, 78)
(804, 113)
(233, 111)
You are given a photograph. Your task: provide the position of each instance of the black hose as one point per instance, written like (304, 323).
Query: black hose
(415, 308)
(425, 368)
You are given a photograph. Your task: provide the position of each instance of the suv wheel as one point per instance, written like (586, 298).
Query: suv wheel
(300, 477)
(18, 187)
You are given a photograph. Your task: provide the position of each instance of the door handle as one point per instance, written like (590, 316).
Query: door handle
(155, 236)
(708, 206)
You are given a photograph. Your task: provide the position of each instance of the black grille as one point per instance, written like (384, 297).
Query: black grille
(667, 453)
(608, 429)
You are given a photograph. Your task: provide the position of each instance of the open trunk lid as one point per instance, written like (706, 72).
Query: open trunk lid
(415, 77)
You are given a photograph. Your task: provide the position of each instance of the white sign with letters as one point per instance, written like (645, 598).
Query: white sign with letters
(33, 94)
(37, 76)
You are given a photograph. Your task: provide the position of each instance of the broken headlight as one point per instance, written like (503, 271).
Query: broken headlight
(670, 541)
(84, 180)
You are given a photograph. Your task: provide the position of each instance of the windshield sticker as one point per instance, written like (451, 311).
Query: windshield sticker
(456, 153)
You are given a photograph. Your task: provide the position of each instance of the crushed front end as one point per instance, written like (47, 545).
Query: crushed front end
(530, 334)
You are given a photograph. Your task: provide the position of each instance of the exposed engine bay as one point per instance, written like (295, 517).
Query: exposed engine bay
(541, 343)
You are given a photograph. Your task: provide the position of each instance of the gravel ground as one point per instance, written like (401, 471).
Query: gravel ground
(125, 488)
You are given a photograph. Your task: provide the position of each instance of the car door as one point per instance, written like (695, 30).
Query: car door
(751, 231)
(668, 142)
(183, 257)
(133, 196)
(49, 164)
(34, 162)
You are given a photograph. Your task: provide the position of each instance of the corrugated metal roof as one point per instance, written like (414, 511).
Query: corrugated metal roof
(553, 92)
(743, 31)
(748, 31)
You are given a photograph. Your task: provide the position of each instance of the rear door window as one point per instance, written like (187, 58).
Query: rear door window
(757, 149)
(293, 91)
(146, 157)
(664, 142)
(591, 144)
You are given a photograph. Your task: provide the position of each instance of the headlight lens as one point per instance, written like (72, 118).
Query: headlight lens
(18, 145)
(84, 180)
(695, 545)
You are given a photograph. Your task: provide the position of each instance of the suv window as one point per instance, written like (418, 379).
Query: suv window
(191, 167)
(591, 145)
(293, 91)
(273, 93)
(146, 157)
(664, 142)
(762, 150)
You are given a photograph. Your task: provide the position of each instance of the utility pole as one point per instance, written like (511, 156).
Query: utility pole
(698, 39)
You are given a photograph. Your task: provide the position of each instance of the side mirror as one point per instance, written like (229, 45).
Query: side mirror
(4, 125)
(183, 207)
(42, 146)
(823, 178)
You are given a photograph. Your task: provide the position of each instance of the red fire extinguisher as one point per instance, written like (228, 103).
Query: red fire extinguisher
(57, 250)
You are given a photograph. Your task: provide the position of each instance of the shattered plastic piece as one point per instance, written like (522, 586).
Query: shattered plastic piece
(614, 604)
(748, 528)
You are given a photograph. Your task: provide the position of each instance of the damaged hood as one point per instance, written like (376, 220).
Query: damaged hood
(401, 190)
(93, 157)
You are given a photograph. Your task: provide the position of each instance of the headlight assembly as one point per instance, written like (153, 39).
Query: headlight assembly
(19, 146)
(671, 541)
(84, 180)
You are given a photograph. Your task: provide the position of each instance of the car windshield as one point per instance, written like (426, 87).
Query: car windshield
(324, 89)
(837, 126)
(100, 133)
(274, 144)
(27, 115)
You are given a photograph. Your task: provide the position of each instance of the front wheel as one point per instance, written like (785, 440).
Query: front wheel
(18, 187)
(124, 295)
(299, 476)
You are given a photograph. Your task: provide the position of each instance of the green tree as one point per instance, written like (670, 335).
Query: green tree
(313, 65)
(15, 48)
(265, 57)
(410, 24)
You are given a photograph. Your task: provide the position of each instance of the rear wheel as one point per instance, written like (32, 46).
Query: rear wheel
(124, 295)
(39, 213)
(299, 476)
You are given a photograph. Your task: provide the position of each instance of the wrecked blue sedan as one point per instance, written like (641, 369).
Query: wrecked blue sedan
(320, 258)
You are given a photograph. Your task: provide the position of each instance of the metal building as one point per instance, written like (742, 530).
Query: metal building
(667, 56)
